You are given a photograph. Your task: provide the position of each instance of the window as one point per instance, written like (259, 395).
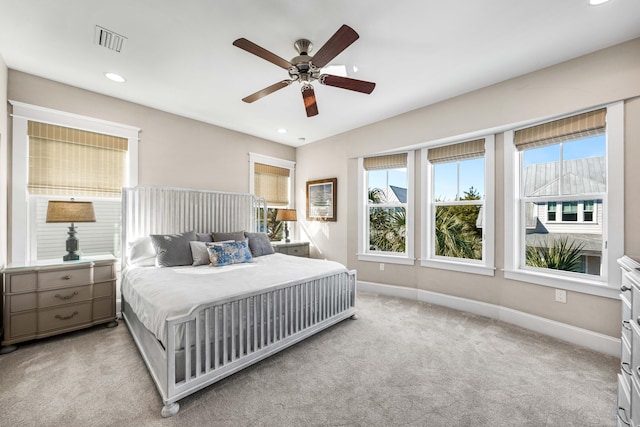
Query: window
(58, 155)
(272, 179)
(565, 167)
(386, 217)
(587, 211)
(551, 211)
(458, 223)
(569, 211)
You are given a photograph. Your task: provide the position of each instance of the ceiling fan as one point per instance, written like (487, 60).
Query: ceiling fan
(306, 69)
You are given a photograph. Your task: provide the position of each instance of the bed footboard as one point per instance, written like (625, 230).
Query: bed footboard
(216, 340)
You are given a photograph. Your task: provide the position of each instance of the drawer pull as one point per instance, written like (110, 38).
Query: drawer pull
(626, 368)
(67, 277)
(626, 324)
(625, 419)
(66, 297)
(57, 316)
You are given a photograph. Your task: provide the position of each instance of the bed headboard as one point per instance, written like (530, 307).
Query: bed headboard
(162, 210)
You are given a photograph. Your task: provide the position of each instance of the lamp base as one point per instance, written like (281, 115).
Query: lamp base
(71, 257)
(286, 233)
(72, 245)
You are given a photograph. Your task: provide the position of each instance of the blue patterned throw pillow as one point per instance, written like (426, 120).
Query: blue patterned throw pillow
(227, 253)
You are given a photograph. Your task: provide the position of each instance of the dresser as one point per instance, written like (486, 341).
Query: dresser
(47, 298)
(629, 376)
(292, 248)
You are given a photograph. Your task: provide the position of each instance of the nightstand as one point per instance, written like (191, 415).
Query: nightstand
(46, 298)
(292, 248)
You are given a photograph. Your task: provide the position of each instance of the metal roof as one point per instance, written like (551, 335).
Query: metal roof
(578, 176)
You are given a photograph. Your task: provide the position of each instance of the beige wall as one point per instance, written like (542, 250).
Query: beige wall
(599, 78)
(4, 154)
(174, 151)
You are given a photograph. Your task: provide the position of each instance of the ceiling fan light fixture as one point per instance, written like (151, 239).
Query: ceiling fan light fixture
(115, 77)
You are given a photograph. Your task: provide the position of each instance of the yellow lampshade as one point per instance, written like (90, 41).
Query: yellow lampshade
(70, 211)
(286, 215)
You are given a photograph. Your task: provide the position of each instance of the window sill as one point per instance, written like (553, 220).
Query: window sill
(389, 259)
(462, 267)
(585, 286)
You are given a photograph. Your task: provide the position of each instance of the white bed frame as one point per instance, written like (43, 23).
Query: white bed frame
(224, 336)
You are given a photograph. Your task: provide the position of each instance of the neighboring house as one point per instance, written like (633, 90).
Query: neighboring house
(578, 221)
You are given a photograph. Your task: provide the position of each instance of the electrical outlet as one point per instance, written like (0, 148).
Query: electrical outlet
(561, 296)
(381, 266)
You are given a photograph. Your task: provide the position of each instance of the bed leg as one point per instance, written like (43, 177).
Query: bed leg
(354, 316)
(170, 409)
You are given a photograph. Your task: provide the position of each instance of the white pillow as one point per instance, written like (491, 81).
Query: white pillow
(142, 252)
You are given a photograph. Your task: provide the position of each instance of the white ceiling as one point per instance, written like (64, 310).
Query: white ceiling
(179, 57)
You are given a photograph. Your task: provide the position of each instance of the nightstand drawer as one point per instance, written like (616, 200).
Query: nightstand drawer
(103, 309)
(103, 273)
(104, 289)
(64, 296)
(301, 250)
(68, 277)
(23, 324)
(22, 302)
(23, 282)
(64, 317)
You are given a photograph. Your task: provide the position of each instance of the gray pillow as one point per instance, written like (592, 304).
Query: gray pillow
(238, 236)
(199, 252)
(173, 249)
(204, 237)
(259, 244)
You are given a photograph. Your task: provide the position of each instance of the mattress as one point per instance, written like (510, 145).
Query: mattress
(156, 294)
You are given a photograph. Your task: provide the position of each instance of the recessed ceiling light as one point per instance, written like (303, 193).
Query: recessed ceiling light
(597, 2)
(302, 139)
(115, 77)
(282, 130)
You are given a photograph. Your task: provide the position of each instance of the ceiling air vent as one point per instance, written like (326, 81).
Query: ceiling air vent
(109, 39)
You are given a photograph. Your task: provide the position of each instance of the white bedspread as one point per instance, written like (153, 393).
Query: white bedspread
(158, 293)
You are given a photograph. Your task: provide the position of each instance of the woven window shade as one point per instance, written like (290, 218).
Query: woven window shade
(272, 183)
(72, 162)
(579, 126)
(391, 161)
(455, 152)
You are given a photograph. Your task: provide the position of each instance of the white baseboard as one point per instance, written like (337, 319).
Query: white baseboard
(579, 336)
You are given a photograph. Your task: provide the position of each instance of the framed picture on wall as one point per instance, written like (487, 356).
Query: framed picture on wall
(321, 199)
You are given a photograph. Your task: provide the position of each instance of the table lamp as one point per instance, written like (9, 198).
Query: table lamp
(286, 215)
(70, 211)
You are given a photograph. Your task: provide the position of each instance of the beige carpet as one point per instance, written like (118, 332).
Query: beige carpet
(401, 363)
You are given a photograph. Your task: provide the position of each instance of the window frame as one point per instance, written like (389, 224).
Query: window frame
(364, 254)
(486, 266)
(607, 284)
(21, 217)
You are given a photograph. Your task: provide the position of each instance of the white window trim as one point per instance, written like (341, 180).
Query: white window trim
(363, 254)
(486, 266)
(606, 285)
(21, 250)
(273, 161)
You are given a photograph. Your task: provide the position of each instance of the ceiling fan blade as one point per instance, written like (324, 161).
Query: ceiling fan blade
(262, 53)
(309, 98)
(347, 83)
(336, 44)
(266, 91)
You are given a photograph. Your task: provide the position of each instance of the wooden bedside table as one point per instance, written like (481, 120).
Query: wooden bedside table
(52, 297)
(292, 248)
